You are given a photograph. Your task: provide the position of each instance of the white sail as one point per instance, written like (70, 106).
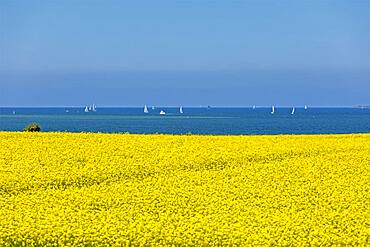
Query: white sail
(305, 107)
(86, 109)
(293, 110)
(181, 111)
(162, 112)
(93, 107)
(254, 107)
(146, 109)
(272, 109)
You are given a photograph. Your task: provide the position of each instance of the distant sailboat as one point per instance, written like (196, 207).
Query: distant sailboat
(162, 113)
(181, 111)
(305, 107)
(254, 107)
(293, 110)
(146, 109)
(90, 108)
(13, 112)
(272, 109)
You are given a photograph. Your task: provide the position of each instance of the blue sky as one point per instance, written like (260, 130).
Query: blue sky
(226, 53)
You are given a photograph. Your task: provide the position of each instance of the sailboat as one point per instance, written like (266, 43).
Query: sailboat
(272, 109)
(305, 107)
(293, 110)
(254, 107)
(181, 111)
(146, 109)
(94, 107)
(162, 113)
(86, 109)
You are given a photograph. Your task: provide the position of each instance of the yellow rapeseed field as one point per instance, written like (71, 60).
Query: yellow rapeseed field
(122, 189)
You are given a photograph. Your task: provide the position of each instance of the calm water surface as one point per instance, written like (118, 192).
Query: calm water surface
(230, 121)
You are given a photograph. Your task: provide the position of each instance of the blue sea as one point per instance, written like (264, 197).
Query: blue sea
(195, 120)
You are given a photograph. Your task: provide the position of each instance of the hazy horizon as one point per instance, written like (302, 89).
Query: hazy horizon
(185, 106)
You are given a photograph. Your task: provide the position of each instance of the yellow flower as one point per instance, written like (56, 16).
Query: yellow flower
(139, 190)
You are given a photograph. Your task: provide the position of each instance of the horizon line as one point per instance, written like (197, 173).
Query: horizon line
(190, 106)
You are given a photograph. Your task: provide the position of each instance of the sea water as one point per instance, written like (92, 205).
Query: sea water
(195, 120)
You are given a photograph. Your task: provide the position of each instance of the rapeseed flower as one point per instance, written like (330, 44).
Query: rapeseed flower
(117, 189)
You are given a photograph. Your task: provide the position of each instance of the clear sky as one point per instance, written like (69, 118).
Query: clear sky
(226, 53)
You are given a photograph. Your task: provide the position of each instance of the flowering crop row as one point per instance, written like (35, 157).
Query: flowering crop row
(120, 189)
